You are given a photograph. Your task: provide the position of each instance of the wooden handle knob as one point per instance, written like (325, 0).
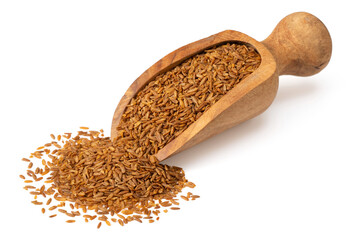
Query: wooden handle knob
(301, 45)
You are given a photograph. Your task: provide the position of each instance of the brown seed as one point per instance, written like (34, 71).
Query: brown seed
(70, 221)
(117, 177)
(76, 213)
(30, 165)
(99, 225)
(102, 218)
(138, 220)
(174, 202)
(190, 185)
(36, 202)
(62, 211)
(56, 145)
(43, 210)
(70, 214)
(185, 198)
(52, 216)
(22, 177)
(84, 209)
(52, 208)
(38, 179)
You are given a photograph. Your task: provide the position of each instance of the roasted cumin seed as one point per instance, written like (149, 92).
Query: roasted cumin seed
(123, 176)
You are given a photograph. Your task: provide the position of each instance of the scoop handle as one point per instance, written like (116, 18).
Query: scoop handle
(301, 45)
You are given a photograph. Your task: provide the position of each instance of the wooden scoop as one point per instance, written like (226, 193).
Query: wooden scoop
(299, 45)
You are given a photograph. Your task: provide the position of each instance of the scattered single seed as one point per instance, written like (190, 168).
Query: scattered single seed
(52, 208)
(175, 208)
(62, 211)
(185, 198)
(190, 185)
(36, 202)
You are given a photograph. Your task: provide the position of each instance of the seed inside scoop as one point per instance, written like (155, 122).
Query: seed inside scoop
(122, 178)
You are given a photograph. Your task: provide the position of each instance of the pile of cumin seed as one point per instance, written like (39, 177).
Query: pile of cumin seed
(121, 181)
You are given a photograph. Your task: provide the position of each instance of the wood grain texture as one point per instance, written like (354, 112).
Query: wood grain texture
(299, 45)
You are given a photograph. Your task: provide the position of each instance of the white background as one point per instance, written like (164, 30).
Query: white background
(286, 174)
